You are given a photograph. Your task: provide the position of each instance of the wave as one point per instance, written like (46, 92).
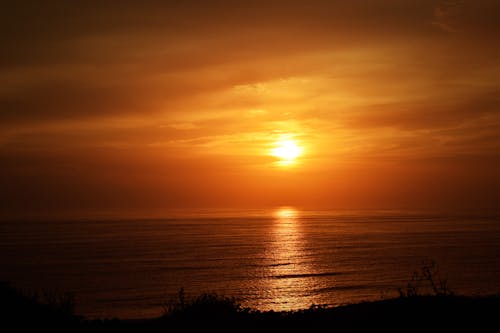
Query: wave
(306, 275)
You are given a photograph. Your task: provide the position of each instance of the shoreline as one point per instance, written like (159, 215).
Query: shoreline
(209, 312)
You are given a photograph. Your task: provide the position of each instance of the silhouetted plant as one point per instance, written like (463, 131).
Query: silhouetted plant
(62, 302)
(172, 306)
(44, 309)
(52, 300)
(426, 281)
(318, 307)
(204, 305)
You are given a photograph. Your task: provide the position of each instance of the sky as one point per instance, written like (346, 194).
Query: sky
(149, 106)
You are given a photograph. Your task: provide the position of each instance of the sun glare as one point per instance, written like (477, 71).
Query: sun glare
(286, 213)
(287, 151)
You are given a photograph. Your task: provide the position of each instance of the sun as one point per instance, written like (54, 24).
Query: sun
(286, 213)
(287, 151)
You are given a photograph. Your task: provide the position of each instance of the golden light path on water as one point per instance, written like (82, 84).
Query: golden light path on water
(292, 277)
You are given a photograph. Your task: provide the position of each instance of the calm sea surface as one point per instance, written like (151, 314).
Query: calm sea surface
(286, 259)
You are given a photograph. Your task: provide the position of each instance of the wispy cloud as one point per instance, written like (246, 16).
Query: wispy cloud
(446, 15)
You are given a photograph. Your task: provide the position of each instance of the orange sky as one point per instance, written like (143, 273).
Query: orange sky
(146, 107)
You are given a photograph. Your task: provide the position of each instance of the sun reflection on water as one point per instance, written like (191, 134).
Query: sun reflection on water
(291, 275)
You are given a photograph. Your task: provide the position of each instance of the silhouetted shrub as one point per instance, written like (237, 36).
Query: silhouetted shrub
(62, 302)
(207, 305)
(48, 309)
(426, 282)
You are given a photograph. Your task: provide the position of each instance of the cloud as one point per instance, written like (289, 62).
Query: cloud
(469, 18)
(169, 98)
(446, 15)
(100, 59)
(429, 114)
(188, 33)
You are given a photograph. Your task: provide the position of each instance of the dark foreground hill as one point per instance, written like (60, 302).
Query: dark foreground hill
(211, 313)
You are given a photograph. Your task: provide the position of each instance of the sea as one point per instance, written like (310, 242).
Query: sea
(273, 259)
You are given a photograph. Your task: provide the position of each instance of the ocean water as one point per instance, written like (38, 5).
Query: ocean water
(281, 260)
